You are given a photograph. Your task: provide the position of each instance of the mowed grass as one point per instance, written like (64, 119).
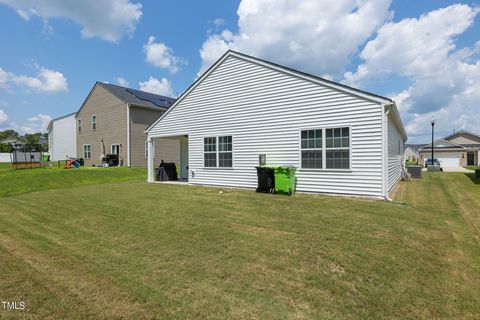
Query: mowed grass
(134, 250)
(18, 181)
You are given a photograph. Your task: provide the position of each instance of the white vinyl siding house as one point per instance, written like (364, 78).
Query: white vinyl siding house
(333, 134)
(396, 146)
(62, 138)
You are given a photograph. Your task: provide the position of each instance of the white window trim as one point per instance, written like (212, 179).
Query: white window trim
(90, 151)
(217, 151)
(111, 148)
(324, 149)
(94, 116)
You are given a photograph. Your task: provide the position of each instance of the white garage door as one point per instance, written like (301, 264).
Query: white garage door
(449, 160)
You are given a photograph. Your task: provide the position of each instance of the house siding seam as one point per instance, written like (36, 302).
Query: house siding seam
(264, 110)
(396, 147)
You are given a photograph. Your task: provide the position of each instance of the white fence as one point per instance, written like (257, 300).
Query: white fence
(5, 157)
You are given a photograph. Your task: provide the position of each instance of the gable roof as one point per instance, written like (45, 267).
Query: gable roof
(290, 71)
(443, 144)
(461, 132)
(134, 97)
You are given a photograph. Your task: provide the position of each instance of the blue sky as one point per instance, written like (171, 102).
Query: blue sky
(424, 54)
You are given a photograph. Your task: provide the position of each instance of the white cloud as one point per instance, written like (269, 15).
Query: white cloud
(46, 81)
(153, 85)
(33, 124)
(315, 35)
(445, 81)
(161, 56)
(3, 117)
(122, 82)
(218, 22)
(109, 20)
(3, 79)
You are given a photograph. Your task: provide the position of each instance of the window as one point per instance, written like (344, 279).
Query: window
(79, 125)
(210, 152)
(325, 148)
(225, 152)
(337, 145)
(94, 122)
(87, 151)
(312, 154)
(218, 152)
(115, 149)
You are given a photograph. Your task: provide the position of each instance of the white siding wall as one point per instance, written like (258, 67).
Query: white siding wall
(5, 157)
(395, 151)
(62, 139)
(264, 110)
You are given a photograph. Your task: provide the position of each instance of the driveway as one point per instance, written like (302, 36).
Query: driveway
(456, 169)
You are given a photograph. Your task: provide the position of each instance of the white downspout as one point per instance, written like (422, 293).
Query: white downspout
(128, 134)
(385, 152)
(150, 160)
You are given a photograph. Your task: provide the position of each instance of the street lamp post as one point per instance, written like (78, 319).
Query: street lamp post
(433, 147)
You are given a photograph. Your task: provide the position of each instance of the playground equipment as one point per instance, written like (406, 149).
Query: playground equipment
(26, 156)
(72, 163)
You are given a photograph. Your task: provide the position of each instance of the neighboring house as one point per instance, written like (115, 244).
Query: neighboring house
(342, 140)
(456, 150)
(113, 119)
(62, 139)
(411, 152)
(15, 143)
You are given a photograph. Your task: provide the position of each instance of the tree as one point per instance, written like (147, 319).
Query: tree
(9, 134)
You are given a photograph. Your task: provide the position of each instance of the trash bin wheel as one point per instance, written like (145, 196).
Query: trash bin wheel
(272, 190)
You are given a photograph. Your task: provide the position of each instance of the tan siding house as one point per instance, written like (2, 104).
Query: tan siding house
(456, 150)
(113, 119)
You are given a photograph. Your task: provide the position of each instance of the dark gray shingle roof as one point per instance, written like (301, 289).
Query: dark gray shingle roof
(137, 97)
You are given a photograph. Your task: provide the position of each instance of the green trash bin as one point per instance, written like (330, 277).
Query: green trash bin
(285, 180)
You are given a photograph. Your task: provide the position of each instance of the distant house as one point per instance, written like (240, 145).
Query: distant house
(113, 119)
(244, 110)
(15, 143)
(62, 139)
(411, 152)
(456, 150)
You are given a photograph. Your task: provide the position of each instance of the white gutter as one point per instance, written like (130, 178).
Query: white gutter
(385, 113)
(128, 134)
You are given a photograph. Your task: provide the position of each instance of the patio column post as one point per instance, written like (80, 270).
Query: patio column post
(150, 161)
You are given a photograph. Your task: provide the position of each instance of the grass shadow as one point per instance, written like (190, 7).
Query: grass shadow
(472, 177)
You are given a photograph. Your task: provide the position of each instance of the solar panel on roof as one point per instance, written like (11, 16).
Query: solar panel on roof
(154, 98)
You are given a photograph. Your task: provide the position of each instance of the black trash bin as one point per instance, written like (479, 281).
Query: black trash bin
(266, 180)
(477, 173)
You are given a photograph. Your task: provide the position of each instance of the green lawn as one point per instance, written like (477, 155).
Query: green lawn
(472, 167)
(135, 250)
(28, 180)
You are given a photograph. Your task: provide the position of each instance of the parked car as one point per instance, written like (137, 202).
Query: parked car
(428, 162)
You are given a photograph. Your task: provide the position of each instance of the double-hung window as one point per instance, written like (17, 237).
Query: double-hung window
(217, 152)
(210, 152)
(87, 151)
(325, 148)
(115, 148)
(337, 146)
(312, 149)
